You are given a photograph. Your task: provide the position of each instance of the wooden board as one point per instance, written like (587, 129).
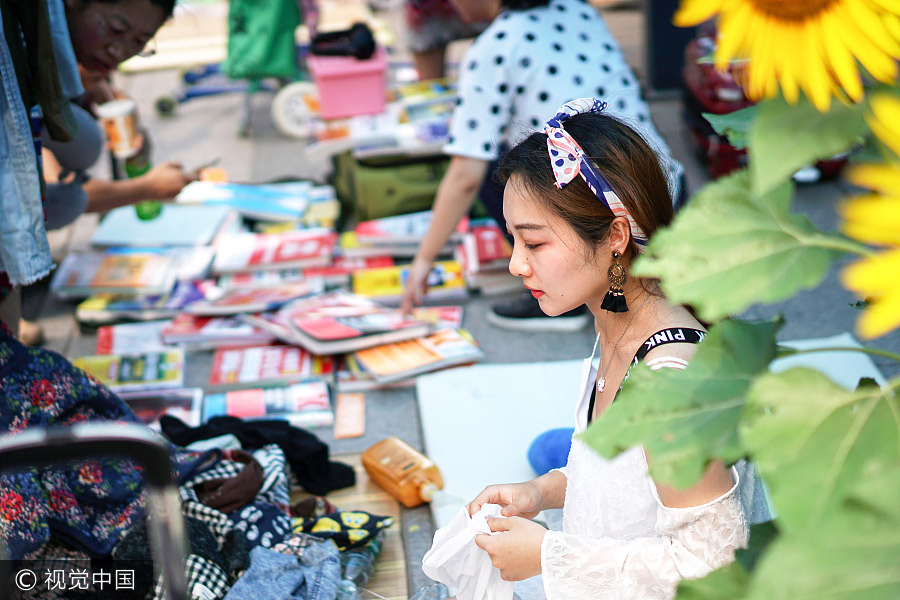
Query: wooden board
(389, 579)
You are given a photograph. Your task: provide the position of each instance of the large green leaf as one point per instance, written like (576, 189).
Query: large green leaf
(734, 125)
(815, 441)
(786, 137)
(728, 583)
(686, 418)
(727, 250)
(854, 554)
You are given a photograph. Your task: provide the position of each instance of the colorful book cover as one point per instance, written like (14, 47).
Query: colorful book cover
(440, 316)
(196, 330)
(339, 271)
(242, 279)
(146, 371)
(445, 281)
(117, 270)
(266, 202)
(303, 404)
(351, 377)
(109, 308)
(245, 367)
(177, 225)
(253, 299)
(184, 404)
(484, 248)
(443, 348)
(338, 322)
(409, 228)
(124, 338)
(301, 248)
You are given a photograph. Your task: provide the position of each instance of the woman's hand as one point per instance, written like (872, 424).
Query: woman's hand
(515, 499)
(164, 181)
(416, 284)
(517, 550)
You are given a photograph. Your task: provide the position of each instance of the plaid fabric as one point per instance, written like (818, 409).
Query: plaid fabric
(51, 557)
(218, 522)
(275, 488)
(205, 580)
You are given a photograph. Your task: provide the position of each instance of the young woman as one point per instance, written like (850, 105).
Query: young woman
(581, 200)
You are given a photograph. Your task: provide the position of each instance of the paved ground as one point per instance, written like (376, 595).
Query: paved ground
(206, 128)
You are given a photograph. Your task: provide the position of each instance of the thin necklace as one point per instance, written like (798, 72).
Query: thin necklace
(601, 383)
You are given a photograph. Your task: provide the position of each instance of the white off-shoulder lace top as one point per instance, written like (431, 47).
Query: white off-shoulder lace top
(618, 540)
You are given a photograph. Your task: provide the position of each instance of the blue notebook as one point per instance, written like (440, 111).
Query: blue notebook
(177, 225)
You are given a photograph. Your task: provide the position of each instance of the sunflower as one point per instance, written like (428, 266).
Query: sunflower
(813, 45)
(875, 219)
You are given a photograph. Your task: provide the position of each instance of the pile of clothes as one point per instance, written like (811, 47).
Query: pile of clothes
(234, 478)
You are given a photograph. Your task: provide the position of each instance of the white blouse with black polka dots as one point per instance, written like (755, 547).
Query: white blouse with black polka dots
(528, 63)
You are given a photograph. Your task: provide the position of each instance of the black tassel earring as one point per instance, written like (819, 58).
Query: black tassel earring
(614, 301)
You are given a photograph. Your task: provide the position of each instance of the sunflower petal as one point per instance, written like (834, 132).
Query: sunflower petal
(867, 20)
(694, 12)
(874, 276)
(881, 178)
(885, 119)
(732, 36)
(876, 62)
(881, 317)
(817, 84)
(865, 222)
(840, 58)
(892, 24)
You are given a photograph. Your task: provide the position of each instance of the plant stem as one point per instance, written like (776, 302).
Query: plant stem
(840, 244)
(785, 351)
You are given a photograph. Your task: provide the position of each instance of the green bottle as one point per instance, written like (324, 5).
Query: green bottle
(134, 167)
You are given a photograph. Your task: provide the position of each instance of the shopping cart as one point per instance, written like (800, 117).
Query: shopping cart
(40, 446)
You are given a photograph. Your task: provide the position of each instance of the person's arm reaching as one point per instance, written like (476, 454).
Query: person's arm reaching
(162, 182)
(455, 195)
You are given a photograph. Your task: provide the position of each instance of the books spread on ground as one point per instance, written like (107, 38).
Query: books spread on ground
(177, 225)
(149, 406)
(241, 279)
(199, 332)
(349, 246)
(443, 348)
(252, 299)
(269, 365)
(142, 371)
(440, 316)
(117, 270)
(349, 376)
(339, 271)
(386, 285)
(400, 229)
(339, 322)
(301, 248)
(484, 254)
(483, 247)
(115, 308)
(144, 336)
(274, 202)
(304, 404)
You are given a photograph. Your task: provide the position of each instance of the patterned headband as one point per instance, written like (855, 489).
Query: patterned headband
(568, 161)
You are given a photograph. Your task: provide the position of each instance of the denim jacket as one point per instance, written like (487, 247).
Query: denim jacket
(24, 250)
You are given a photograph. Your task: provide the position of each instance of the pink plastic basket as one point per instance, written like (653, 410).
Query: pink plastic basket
(349, 86)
